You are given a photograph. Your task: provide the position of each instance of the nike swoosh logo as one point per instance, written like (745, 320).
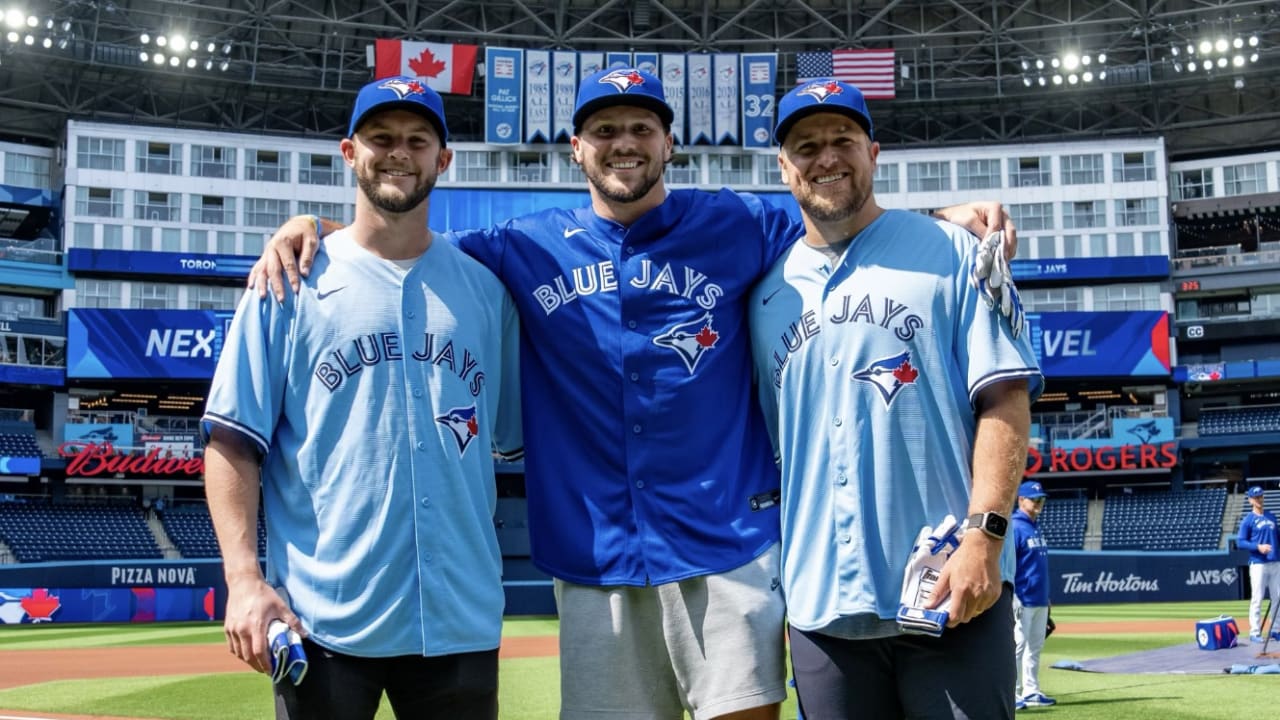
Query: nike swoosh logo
(323, 295)
(570, 232)
(769, 297)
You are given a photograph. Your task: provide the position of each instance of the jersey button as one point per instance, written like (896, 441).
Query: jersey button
(426, 502)
(842, 479)
(846, 539)
(631, 324)
(409, 314)
(635, 377)
(421, 445)
(835, 362)
(640, 484)
(837, 422)
(636, 429)
(630, 250)
(417, 392)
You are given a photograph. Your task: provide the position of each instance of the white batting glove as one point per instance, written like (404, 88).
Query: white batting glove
(932, 548)
(993, 279)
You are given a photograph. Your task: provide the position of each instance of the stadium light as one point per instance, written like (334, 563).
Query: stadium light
(1071, 68)
(1218, 54)
(183, 52)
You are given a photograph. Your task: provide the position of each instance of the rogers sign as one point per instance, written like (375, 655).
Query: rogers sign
(90, 459)
(1107, 457)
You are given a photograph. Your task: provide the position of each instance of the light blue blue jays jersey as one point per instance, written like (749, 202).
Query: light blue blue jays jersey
(1257, 530)
(376, 395)
(648, 460)
(867, 375)
(1031, 577)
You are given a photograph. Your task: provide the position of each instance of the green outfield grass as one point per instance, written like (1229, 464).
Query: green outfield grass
(530, 686)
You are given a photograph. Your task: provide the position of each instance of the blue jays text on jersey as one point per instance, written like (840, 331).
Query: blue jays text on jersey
(646, 445)
(875, 361)
(351, 356)
(375, 394)
(1031, 576)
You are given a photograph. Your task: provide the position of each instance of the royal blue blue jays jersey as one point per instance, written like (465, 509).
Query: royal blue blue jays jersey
(375, 395)
(868, 371)
(1031, 578)
(647, 456)
(1257, 530)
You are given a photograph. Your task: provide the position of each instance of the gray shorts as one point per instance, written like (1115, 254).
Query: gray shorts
(710, 645)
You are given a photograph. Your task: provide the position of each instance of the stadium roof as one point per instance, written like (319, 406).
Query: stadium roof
(295, 65)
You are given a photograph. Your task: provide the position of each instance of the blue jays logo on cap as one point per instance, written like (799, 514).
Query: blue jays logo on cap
(621, 86)
(464, 425)
(889, 375)
(690, 340)
(399, 93)
(822, 95)
(1255, 491)
(1031, 490)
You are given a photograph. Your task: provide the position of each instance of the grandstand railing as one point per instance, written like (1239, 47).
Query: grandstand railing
(28, 251)
(1238, 259)
(1084, 423)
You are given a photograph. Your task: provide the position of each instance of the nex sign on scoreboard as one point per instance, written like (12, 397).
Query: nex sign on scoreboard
(186, 343)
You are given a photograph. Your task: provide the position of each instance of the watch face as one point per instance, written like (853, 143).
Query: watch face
(996, 524)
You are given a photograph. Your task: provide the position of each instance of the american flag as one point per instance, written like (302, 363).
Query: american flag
(871, 71)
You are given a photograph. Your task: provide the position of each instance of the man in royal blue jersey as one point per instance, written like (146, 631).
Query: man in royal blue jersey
(895, 396)
(652, 491)
(1258, 535)
(1030, 593)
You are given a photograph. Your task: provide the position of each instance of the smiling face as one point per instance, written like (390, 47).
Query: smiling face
(623, 151)
(397, 159)
(829, 163)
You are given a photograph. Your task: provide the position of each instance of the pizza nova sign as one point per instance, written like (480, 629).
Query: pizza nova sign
(1106, 457)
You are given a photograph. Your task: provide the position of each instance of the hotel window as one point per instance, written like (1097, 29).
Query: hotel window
(213, 162)
(685, 170)
(530, 167)
(208, 297)
(1097, 246)
(730, 169)
(1244, 179)
(1131, 296)
(213, 210)
(112, 237)
(253, 243)
(1193, 184)
(100, 202)
(26, 170)
(1072, 246)
(153, 296)
(928, 176)
(157, 206)
(316, 169)
(198, 241)
(886, 180)
(158, 158)
(1032, 216)
(328, 211)
(1081, 169)
(1133, 166)
(1084, 214)
(1029, 172)
(569, 170)
(266, 166)
(98, 293)
(1045, 246)
(1137, 211)
(977, 174)
(265, 212)
(227, 243)
(94, 153)
(144, 238)
(170, 240)
(1124, 245)
(477, 166)
(82, 235)
(1068, 299)
(1152, 245)
(767, 166)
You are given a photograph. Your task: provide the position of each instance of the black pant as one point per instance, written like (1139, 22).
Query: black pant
(343, 687)
(969, 672)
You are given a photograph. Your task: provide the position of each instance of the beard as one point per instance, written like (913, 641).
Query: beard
(596, 176)
(390, 202)
(837, 208)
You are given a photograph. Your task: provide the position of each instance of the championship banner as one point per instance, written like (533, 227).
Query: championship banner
(728, 92)
(590, 63)
(564, 68)
(618, 59)
(673, 84)
(759, 74)
(647, 62)
(504, 96)
(701, 102)
(445, 68)
(1101, 344)
(537, 96)
(144, 344)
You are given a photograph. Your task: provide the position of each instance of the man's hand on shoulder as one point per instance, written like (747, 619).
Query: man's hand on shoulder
(288, 255)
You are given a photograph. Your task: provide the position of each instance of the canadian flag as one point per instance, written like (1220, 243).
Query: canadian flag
(445, 68)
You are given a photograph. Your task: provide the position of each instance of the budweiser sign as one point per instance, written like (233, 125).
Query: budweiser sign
(89, 459)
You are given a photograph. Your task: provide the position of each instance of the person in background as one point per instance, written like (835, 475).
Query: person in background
(1031, 594)
(1258, 535)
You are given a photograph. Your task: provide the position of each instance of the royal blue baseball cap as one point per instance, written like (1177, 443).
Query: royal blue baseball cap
(1255, 491)
(1031, 490)
(821, 95)
(399, 93)
(621, 86)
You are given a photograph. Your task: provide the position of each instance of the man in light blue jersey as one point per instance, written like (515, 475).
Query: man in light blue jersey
(364, 406)
(895, 395)
(1258, 535)
(651, 489)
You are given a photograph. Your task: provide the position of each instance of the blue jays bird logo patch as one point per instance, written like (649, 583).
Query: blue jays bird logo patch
(820, 91)
(623, 80)
(889, 375)
(1145, 432)
(690, 340)
(402, 88)
(463, 424)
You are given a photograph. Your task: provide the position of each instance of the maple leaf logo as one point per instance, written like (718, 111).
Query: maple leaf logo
(426, 65)
(473, 427)
(904, 373)
(40, 606)
(707, 337)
